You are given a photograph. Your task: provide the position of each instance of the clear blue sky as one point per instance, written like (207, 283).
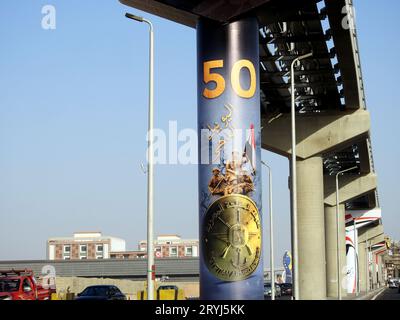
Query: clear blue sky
(73, 123)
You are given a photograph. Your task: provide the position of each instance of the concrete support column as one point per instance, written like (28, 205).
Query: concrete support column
(380, 270)
(311, 230)
(331, 249)
(374, 272)
(362, 266)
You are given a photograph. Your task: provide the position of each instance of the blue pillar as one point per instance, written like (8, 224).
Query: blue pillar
(231, 264)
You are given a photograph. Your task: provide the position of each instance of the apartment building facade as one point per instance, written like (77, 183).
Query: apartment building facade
(172, 246)
(392, 260)
(84, 245)
(93, 245)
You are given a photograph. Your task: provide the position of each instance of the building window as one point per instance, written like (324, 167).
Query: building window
(99, 248)
(66, 252)
(83, 251)
(99, 257)
(188, 251)
(173, 252)
(82, 257)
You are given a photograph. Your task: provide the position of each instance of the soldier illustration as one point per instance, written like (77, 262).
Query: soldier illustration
(246, 182)
(217, 183)
(235, 181)
(232, 185)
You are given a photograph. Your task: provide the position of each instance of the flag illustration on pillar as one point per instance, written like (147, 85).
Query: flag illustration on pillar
(250, 149)
(351, 276)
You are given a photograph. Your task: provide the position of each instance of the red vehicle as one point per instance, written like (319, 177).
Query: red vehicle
(22, 285)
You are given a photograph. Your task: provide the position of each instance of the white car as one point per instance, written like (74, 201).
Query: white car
(393, 283)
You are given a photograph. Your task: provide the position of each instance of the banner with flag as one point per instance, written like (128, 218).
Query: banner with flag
(287, 264)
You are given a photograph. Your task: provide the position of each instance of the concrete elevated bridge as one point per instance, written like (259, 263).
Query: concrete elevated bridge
(333, 123)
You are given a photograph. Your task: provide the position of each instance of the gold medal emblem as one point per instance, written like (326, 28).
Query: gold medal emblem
(232, 238)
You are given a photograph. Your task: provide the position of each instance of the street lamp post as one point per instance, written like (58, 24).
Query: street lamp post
(150, 164)
(338, 257)
(294, 179)
(271, 236)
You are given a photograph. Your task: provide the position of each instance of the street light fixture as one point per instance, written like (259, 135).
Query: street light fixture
(271, 236)
(150, 164)
(293, 188)
(338, 258)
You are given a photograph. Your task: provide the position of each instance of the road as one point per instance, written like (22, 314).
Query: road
(389, 294)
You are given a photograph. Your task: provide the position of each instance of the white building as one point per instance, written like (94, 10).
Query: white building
(173, 246)
(83, 245)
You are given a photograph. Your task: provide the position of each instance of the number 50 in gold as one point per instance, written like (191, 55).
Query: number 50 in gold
(215, 77)
(235, 79)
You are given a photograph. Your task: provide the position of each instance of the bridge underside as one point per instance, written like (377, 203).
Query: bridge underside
(333, 125)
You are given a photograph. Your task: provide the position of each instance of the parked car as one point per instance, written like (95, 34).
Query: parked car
(101, 292)
(268, 290)
(167, 287)
(22, 285)
(286, 289)
(393, 283)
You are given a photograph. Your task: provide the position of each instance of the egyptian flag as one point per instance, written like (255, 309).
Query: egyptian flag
(250, 149)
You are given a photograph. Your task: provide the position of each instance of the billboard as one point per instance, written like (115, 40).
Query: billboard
(351, 270)
(363, 217)
(287, 265)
